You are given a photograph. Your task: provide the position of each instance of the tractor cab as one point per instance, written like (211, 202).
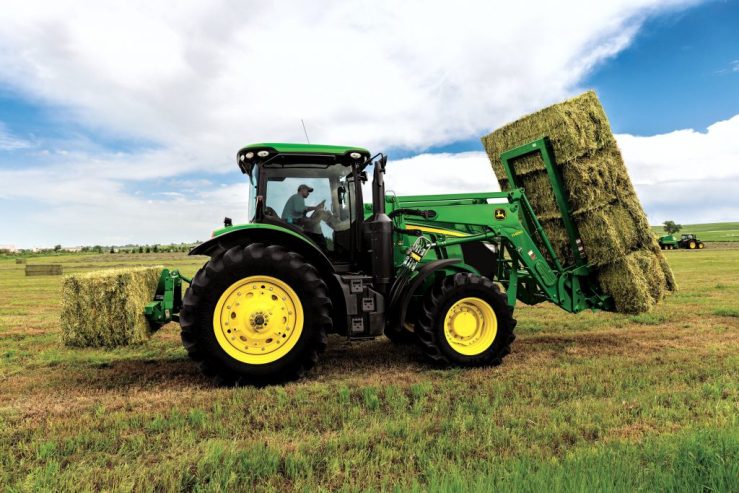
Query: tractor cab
(686, 237)
(313, 190)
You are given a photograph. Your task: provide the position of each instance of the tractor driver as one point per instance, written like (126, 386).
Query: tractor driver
(295, 208)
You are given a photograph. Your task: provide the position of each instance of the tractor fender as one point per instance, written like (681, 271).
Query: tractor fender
(399, 312)
(269, 234)
(275, 235)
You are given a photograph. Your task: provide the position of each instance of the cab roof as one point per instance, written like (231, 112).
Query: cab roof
(282, 154)
(305, 148)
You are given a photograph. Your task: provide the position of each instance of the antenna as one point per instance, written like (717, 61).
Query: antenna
(304, 130)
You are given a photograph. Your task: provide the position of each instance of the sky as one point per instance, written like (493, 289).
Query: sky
(120, 121)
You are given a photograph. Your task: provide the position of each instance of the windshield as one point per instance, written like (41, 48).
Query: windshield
(319, 200)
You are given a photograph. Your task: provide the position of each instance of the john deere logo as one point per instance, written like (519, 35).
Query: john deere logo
(499, 214)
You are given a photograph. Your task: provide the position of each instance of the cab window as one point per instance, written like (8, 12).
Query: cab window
(317, 200)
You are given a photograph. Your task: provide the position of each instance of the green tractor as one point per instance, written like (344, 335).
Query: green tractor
(316, 260)
(689, 241)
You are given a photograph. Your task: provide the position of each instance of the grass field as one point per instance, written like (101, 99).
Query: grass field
(709, 232)
(589, 402)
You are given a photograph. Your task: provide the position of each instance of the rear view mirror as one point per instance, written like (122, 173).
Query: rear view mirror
(382, 162)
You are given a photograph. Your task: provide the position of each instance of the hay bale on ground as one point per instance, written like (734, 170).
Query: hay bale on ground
(20, 261)
(44, 270)
(606, 210)
(106, 308)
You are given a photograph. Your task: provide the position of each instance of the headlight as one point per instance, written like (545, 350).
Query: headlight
(355, 155)
(263, 153)
(249, 155)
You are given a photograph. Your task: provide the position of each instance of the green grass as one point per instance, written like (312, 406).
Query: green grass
(727, 312)
(709, 232)
(592, 402)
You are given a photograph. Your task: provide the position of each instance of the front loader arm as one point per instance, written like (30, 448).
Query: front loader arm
(527, 274)
(527, 261)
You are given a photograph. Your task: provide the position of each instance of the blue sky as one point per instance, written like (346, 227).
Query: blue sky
(110, 134)
(681, 71)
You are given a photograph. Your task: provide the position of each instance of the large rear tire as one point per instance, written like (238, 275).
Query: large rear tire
(465, 321)
(257, 315)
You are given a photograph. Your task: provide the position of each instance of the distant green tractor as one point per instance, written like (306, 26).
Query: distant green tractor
(315, 259)
(689, 241)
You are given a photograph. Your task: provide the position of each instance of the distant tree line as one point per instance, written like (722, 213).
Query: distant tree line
(129, 249)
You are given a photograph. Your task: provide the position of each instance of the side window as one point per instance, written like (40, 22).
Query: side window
(320, 202)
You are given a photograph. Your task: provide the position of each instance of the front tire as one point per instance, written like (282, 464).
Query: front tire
(257, 315)
(465, 321)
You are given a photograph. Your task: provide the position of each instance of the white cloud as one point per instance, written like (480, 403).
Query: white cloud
(72, 207)
(685, 175)
(208, 76)
(9, 142)
(202, 79)
(441, 173)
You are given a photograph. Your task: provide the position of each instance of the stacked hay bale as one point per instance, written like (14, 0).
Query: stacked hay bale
(44, 270)
(106, 308)
(20, 261)
(612, 225)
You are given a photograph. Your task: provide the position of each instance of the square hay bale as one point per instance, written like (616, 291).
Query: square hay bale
(579, 124)
(20, 261)
(106, 308)
(606, 210)
(44, 270)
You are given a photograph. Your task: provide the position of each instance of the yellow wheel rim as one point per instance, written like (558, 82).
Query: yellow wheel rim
(258, 320)
(470, 326)
(701, 245)
(692, 245)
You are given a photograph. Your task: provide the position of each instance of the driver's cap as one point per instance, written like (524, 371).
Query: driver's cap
(304, 187)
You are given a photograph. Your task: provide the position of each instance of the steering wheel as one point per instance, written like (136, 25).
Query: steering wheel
(321, 205)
